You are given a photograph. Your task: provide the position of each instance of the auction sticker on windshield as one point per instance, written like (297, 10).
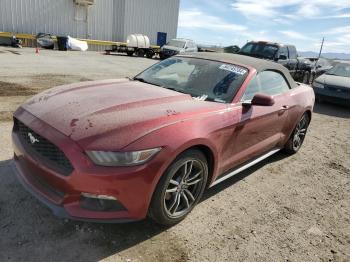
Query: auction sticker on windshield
(235, 69)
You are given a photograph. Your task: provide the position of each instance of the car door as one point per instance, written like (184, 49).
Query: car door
(259, 128)
(189, 47)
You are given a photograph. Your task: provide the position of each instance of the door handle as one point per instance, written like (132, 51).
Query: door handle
(283, 109)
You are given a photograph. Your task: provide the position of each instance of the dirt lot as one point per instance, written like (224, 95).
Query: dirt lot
(285, 209)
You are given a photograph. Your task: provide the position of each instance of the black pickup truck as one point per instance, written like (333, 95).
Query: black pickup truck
(285, 55)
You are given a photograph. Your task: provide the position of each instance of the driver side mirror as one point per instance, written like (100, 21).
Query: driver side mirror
(260, 100)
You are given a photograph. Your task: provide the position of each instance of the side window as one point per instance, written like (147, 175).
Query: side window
(272, 83)
(292, 52)
(252, 88)
(283, 51)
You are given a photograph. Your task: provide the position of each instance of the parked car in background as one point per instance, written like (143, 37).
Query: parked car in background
(286, 55)
(177, 46)
(334, 85)
(119, 150)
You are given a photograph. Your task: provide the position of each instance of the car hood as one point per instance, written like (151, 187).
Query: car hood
(333, 80)
(89, 111)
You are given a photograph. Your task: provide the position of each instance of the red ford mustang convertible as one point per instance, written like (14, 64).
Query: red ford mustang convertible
(122, 150)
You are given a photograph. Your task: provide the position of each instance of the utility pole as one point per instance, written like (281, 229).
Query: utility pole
(319, 55)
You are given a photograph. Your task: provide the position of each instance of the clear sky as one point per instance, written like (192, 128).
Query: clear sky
(299, 22)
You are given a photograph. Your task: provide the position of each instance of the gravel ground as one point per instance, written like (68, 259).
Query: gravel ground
(284, 209)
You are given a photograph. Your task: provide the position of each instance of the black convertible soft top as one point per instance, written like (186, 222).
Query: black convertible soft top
(259, 64)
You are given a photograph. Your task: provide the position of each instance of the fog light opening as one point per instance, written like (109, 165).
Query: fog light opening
(103, 197)
(101, 203)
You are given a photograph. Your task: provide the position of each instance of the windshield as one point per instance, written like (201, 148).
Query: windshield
(341, 69)
(261, 50)
(177, 43)
(200, 78)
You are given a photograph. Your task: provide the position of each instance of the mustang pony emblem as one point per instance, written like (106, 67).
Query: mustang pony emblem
(32, 138)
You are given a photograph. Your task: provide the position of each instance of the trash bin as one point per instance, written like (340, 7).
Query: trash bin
(161, 38)
(62, 42)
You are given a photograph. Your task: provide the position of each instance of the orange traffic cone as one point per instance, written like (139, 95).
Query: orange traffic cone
(37, 50)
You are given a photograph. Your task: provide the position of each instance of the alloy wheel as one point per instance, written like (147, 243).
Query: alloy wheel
(184, 188)
(300, 132)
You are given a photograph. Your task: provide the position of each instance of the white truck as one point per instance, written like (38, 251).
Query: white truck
(137, 44)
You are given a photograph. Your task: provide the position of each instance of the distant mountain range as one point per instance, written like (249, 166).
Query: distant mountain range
(342, 56)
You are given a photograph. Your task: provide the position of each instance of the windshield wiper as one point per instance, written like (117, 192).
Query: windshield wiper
(140, 79)
(174, 89)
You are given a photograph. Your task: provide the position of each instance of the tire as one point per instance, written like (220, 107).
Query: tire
(140, 53)
(130, 53)
(296, 140)
(150, 53)
(312, 78)
(180, 188)
(306, 77)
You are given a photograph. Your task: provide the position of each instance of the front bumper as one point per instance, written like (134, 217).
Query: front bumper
(339, 97)
(131, 186)
(57, 210)
(168, 53)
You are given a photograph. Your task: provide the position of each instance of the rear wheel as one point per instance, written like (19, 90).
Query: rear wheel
(140, 53)
(306, 77)
(130, 53)
(180, 188)
(312, 78)
(297, 138)
(150, 53)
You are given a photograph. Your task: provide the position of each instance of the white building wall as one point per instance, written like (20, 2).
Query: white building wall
(57, 17)
(107, 19)
(152, 16)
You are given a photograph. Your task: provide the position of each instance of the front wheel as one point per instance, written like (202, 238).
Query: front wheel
(180, 188)
(297, 138)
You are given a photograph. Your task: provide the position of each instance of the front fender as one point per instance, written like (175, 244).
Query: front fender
(179, 137)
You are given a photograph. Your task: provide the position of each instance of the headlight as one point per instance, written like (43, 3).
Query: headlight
(318, 85)
(105, 158)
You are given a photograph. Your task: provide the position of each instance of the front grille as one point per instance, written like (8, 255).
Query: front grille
(53, 157)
